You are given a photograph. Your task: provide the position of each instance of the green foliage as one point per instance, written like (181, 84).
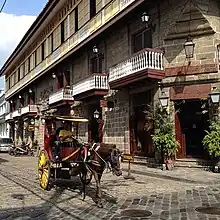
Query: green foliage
(164, 139)
(212, 140)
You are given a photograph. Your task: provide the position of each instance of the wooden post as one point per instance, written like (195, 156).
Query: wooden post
(130, 158)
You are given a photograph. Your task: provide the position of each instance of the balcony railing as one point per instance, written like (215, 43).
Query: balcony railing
(16, 113)
(29, 109)
(63, 94)
(143, 60)
(94, 82)
(9, 116)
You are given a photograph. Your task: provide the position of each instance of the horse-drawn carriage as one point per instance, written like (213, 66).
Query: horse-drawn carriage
(72, 157)
(75, 158)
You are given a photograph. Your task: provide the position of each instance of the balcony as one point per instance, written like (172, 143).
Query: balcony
(16, 113)
(147, 63)
(108, 13)
(97, 84)
(9, 117)
(63, 95)
(29, 109)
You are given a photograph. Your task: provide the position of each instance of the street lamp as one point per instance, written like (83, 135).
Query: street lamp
(32, 122)
(189, 48)
(53, 75)
(163, 98)
(145, 18)
(43, 121)
(19, 96)
(215, 95)
(96, 114)
(30, 90)
(95, 49)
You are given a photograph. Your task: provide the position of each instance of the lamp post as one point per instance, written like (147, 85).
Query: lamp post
(163, 98)
(189, 48)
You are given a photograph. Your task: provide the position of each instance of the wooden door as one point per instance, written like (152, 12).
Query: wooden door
(180, 136)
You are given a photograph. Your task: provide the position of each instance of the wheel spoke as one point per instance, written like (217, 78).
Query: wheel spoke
(44, 169)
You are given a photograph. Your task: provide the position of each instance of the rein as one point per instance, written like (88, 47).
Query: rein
(96, 163)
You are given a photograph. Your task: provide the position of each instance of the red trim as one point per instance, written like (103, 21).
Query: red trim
(94, 92)
(137, 76)
(61, 103)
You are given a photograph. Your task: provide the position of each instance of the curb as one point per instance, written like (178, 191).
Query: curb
(166, 177)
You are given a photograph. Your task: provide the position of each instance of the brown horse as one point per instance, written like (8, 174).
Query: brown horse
(103, 156)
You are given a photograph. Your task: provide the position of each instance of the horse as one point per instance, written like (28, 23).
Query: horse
(103, 156)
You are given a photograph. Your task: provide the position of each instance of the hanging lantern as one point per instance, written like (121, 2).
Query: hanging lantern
(163, 98)
(96, 114)
(189, 48)
(145, 18)
(95, 49)
(215, 96)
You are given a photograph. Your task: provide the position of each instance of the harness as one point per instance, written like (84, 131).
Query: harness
(95, 147)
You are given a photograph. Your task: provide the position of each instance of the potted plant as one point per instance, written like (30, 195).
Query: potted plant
(164, 140)
(211, 142)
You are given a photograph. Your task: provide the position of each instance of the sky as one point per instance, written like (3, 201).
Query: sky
(15, 19)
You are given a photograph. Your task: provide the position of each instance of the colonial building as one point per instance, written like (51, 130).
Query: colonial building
(109, 57)
(4, 110)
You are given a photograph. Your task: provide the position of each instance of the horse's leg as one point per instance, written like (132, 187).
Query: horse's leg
(98, 189)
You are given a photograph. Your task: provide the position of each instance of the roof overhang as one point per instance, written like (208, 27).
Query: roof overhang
(32, 31)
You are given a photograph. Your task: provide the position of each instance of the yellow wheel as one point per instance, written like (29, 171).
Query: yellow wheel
(44, 170)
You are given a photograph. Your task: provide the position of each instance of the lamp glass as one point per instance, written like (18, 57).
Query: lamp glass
(43, 121)
(215, 97)
(164, 101)
(189, 48)
(32, 122)
(95, 49)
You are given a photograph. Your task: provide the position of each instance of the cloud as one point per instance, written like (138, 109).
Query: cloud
(12, 29)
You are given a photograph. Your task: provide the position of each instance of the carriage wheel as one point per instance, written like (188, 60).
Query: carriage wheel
(85, 177)
(44, 170)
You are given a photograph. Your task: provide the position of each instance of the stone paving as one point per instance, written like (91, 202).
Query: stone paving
(150, 193)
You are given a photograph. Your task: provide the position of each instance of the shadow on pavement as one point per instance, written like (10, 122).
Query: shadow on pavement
(53, 206)
(3, 160)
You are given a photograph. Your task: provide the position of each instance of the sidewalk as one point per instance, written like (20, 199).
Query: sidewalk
(188, 175)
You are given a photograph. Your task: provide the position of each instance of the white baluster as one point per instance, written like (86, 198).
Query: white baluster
(161, 61)
(150, 60)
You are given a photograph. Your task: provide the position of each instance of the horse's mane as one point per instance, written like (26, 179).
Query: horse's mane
(105, 149)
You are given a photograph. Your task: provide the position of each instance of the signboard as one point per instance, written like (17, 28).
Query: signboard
(128, 157)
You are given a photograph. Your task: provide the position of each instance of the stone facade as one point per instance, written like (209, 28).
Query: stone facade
(173, 22)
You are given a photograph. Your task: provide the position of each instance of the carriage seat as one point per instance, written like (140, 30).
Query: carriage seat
(62, 149)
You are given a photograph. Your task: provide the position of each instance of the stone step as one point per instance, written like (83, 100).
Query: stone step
(192, 163)
(146, 161)
(185, 162)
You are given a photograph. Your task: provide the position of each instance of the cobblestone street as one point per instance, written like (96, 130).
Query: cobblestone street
(157, 194)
